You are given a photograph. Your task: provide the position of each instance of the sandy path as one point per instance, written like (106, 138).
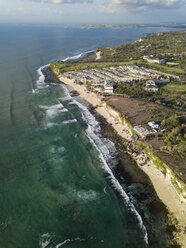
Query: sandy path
(163, 186)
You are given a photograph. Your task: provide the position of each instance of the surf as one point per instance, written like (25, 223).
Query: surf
(78, 56)
(93, 133)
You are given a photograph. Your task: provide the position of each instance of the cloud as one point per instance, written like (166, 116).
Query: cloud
(123, 4)
(146, 4)
(61, 1)
(20, 9)
(69, 1)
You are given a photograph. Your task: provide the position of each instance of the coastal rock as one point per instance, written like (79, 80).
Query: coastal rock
(50, 77)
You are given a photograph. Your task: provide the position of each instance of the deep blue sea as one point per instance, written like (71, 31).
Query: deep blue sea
(53, 187)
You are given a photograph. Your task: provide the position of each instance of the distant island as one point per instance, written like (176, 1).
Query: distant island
(140, 90)
(121, 26)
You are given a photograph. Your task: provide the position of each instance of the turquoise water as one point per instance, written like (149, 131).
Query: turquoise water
(53, 187)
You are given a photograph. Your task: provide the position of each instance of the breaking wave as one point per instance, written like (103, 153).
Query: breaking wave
(54, 110)
(79, 56)
(46, 240)
(93, 133)
(69, 121)
(40, 83)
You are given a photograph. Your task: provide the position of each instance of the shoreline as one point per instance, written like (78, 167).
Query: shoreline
(162, 185)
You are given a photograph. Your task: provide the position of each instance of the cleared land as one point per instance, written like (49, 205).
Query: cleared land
(138, 112)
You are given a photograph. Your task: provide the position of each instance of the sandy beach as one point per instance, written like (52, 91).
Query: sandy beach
(98, 55)
(175, 203)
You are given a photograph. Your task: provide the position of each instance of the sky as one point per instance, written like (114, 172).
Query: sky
(92, 11)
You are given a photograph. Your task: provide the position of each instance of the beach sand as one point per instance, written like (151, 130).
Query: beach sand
(175, 203)
(98, 55)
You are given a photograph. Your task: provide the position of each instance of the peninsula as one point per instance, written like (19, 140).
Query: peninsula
(140, 90)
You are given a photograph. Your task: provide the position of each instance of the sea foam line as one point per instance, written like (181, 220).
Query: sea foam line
(46, 240)
(40, 83)
(69, 121)
(69, 240)
(53, 110)
(92, 129)
(78, 56)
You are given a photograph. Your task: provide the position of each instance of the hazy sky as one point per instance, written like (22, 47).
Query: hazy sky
(92, 11)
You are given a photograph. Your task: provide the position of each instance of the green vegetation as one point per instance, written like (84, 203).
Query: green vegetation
(175, 135)
(169, 69)
(82, 65)
(164, 105)
(164, 45)
(175, 87)
(122, 118)
(158, 163)
(141, 146)
(170, 46)
(133, 89)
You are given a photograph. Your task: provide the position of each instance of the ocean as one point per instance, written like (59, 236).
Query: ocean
(56, 185)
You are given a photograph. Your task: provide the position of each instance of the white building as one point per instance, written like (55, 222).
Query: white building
(151, 86)
(150, 83)
(152, 89)
(108, 88)
(153, 60)
(144, 131)
(153, 124)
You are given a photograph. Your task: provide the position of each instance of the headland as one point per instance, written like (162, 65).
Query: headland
(133, 90)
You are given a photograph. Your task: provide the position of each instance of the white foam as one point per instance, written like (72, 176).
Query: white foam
(78, 56)
(79, 239)
(69, 121)
(70, 240)
(40, 83)
(7, 222)
(52, 111)
(64, 110)
(33, 91)
(71, 103)
(105, 190)
(104, 156)
(55, 106)
(51, 124)
(55, 149)
(89, 195)
(44, 240)
(92, 131)
(63, 243)
(67, 96)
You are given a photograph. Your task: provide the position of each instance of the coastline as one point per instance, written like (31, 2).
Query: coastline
(162, 185)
